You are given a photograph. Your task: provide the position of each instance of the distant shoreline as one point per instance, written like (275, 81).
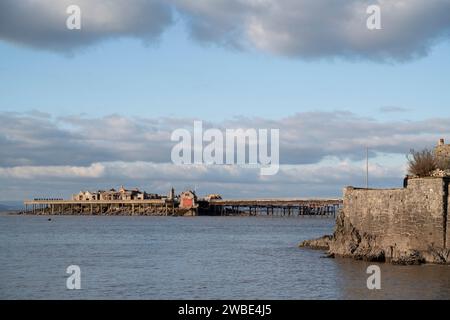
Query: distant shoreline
(11, 212)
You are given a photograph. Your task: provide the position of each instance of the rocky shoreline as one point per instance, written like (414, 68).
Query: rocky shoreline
(349, 242)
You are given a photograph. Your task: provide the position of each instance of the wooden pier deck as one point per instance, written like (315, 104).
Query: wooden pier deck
(100, 207)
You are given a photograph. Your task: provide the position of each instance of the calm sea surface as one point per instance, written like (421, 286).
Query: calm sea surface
(192, 258)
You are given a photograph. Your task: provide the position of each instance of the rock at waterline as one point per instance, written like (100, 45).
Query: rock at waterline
(322, 243)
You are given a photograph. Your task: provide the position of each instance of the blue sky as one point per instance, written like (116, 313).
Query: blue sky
(95, 108)
(179, 77)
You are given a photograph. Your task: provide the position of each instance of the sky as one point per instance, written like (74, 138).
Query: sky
(94, 108)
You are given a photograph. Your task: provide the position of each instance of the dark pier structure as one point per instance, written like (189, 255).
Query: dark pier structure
(159, 207)
(273, 207)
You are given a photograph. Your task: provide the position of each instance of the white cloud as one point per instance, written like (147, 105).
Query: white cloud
(322, 28)
(30, 140)
(95, 170)
(42, 24)
(319, 173)
(42, 155)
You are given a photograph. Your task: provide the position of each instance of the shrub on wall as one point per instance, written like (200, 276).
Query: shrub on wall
(422, 163)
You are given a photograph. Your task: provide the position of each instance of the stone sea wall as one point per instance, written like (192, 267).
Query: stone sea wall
(406, 226)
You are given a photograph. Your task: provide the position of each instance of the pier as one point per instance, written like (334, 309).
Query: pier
(168, 207)
(161, 207)
(276, 207)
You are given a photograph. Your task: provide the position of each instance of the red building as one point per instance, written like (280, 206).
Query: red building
(188, 200)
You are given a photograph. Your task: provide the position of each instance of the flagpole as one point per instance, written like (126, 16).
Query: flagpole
(367, 167)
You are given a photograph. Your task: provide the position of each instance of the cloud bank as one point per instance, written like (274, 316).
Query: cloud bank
(44, 154)
(29, 139)
(306, 29)
(230, 181)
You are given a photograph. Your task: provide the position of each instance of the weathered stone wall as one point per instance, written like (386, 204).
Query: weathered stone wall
(396, 221)
(407, 226)
(447, 218)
